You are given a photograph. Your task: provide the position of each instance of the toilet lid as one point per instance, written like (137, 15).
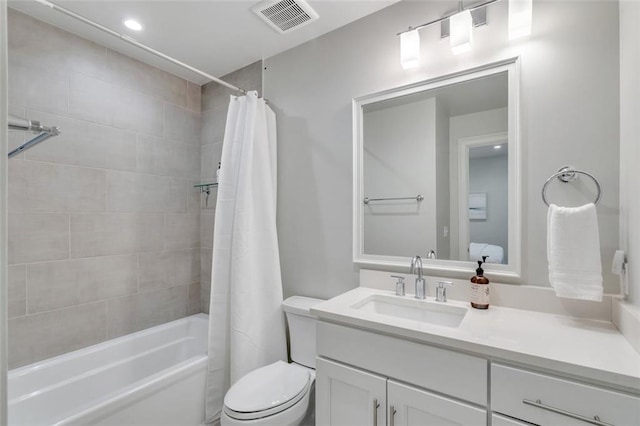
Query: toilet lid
(267, 387)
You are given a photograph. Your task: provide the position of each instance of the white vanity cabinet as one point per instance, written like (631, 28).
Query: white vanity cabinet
(347, 396)
(409, 406)
(547, 400)
(365, 378)
(368, 378)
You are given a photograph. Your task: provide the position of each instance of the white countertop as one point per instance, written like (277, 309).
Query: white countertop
(589, 349)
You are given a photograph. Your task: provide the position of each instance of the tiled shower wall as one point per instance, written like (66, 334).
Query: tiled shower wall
(215, 101)
(104, 225)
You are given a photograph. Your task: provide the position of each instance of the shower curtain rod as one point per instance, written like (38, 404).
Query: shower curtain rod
(137, 44)
(32, 126)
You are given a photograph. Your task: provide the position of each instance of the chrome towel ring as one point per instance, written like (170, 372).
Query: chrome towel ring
(569, 174)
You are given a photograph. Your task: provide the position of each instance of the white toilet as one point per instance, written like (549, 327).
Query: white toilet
(279, 393)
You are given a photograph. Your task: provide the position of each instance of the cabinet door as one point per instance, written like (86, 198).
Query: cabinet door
(409, 406)
(346, 396)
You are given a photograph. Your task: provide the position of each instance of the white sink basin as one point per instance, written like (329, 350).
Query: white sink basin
(412, 309)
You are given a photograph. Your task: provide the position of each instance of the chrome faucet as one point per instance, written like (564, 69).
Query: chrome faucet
(416, 264)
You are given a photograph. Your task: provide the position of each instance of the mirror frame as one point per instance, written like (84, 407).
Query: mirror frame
(511, 270)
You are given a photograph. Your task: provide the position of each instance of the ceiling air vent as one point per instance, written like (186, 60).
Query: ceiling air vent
(285, 15)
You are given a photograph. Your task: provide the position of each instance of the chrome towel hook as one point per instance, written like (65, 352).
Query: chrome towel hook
(568, 174)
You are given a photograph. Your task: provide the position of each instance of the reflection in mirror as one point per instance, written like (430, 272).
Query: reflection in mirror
(487, 194)
(434, 172)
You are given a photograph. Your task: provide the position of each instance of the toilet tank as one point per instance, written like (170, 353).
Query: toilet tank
(302, 329)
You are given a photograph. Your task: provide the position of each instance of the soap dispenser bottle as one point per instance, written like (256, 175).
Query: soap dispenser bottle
(480, 288)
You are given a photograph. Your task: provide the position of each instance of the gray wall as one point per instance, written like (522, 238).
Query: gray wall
(569, 98)
(629, 141)
(104, 226)
(215, 102)
(490, 175)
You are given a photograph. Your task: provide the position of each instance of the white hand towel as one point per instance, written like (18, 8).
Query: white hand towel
(573, 252)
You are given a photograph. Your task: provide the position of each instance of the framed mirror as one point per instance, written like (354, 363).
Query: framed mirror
(436, 173)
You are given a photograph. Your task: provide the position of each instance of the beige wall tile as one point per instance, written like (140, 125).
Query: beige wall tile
(194, 197)
(160, 156)
(137, 76)
(94, 100)
(135, 192)
(139, 112)
(215, 96)
(33, 88)
(40, 46)
(194, 96)
(36, 186)
(181, 124)
(137, 312)
(164, 269)
(192, 162)
(37, 337)
(182, 231)
(194, 306)
(213, 125)
(205, 265)
(83, 143)
(205, 295)
(249, 78)
(17, 290)
(114, 234)
(187, 266)
(54, 285)
(38, 237)
(207, 221)
(210, 155)
(156, 270)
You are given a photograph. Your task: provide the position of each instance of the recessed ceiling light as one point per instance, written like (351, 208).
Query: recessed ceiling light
(132, 24)
(497, 146)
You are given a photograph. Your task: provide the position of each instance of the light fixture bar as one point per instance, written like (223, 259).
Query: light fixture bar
(447, 16)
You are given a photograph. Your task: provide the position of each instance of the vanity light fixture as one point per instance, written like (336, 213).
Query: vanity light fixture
(460, 28)
(497, 146)
(410, 49)
(132, 24)
(461, 39)
(520, 18)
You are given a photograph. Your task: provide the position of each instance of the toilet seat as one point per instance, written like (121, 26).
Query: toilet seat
(267, 391)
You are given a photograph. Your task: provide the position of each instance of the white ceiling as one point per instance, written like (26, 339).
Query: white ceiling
(215, 36)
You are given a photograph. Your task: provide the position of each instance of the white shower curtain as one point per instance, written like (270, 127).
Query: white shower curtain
(246, 324)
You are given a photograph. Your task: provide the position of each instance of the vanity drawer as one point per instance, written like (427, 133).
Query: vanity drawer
(448, 372)
(555, 401)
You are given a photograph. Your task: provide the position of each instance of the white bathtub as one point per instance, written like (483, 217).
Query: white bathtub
(152, 377)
